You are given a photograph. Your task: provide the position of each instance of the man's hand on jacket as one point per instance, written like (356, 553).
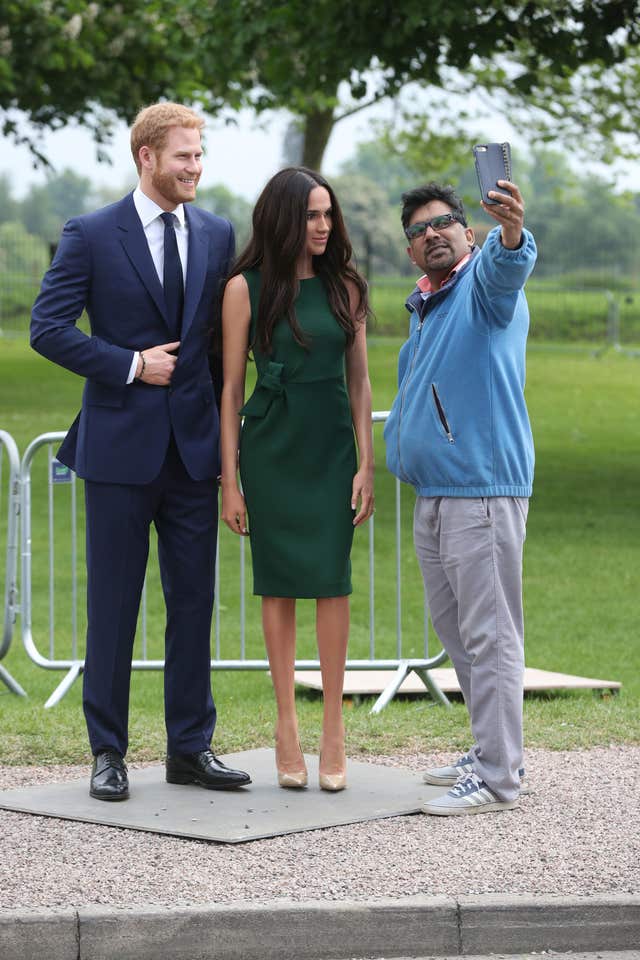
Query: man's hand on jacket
(156, 364)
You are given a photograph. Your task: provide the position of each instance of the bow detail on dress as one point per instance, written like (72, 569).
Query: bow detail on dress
(268, 387)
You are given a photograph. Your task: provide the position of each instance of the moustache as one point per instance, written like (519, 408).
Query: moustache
(436, 245)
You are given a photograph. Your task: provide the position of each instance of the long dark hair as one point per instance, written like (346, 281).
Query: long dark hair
(277, 241)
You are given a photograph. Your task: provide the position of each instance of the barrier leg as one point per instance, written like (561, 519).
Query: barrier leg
(392, 687)
(8, 681)
(424, 672)
(65, 685)
(439, 696)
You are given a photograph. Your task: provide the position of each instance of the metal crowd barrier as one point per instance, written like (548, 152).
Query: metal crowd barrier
(9, 449)
(58, 474)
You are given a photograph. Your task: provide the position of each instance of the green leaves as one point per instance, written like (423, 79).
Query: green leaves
(71, 59)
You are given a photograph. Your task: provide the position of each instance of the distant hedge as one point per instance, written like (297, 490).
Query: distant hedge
(581, 306)
(558, 311)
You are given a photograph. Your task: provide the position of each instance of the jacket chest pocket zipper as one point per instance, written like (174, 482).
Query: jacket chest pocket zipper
(441, 414)
(404, 393)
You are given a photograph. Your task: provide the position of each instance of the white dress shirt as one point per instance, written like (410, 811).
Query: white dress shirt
(153, 226)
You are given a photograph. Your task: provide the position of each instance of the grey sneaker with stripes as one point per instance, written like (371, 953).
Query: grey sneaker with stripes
(469, 795)
(448, 776)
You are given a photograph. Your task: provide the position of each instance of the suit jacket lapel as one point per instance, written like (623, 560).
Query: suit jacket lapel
(137, 249)
(196, 267)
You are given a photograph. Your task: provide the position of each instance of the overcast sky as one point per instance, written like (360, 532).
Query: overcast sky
(242, 156)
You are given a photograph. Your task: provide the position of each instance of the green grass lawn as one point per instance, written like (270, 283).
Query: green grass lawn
(581, 578)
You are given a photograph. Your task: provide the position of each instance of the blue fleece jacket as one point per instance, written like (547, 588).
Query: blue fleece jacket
(459, 425)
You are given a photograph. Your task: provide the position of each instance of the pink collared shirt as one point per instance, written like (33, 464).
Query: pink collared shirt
(424, 284)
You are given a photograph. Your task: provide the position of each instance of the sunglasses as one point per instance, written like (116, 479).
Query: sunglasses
(442, 222)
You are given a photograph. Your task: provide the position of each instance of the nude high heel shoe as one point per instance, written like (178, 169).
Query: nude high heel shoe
(296, 780)
(292, 779)
(333, 782)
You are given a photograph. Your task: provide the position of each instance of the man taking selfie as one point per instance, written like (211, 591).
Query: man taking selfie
(459, 433)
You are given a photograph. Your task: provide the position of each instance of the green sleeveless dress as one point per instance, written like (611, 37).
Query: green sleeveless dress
(297, 455)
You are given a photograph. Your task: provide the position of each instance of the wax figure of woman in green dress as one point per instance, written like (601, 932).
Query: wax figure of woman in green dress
(295, 300)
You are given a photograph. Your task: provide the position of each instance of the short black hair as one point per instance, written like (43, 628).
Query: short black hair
(413, 199)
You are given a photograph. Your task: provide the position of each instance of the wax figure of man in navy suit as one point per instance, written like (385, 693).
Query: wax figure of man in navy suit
(148, 271)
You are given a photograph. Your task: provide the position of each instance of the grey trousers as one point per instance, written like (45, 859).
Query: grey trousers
(470, 553)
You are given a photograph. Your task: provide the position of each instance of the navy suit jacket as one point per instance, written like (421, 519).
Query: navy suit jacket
(103, 265)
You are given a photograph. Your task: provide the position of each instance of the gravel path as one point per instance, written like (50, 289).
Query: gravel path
(578, 832)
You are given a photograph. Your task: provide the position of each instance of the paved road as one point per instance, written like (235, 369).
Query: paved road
(543, 955)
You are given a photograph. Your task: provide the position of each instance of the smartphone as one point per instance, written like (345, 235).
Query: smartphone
(493, 163)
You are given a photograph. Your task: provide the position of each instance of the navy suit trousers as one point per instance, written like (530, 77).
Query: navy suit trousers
(119, 516)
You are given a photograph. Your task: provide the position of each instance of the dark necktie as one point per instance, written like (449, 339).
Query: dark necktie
(172, 277)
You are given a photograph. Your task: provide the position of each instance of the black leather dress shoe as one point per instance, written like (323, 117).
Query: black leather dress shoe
(205, 769)
(109, 779)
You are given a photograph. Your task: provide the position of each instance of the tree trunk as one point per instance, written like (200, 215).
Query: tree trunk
(317, 130)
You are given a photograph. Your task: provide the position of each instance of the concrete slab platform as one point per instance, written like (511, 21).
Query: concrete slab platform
(373, 682)
(232, 816)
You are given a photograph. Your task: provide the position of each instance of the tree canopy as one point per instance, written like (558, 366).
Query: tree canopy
(73, 60)
(325, 61)
(573, 63)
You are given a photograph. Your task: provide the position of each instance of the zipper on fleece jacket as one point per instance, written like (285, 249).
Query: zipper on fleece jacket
(442, 414)
(404, 392)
